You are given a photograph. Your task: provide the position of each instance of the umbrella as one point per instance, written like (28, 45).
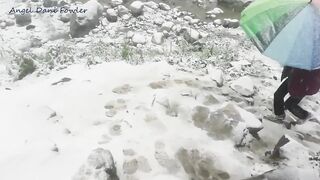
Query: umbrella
(287, 31)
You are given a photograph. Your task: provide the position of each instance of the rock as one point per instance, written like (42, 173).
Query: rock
(216, 75)
(151, 5)
(3, 25)
(208, 99)
(158, 21)
(187, 18)
(215, 11)
(159, 84)
(136, 8)
(130, 167)
(125, 89)
(115, 3)
(99, 165)
(191, 35)
(217, 22)
(243, 86)
(139, 38)
(23, 20)
(30, 27)
(164, 6)
(199, 166)
(143, 164)
(112, 15)
(82, 23)
(157, 38)
(167, 26)
(50, 3)
(65, 17)
(230, 23)
(290, 149)
(122, 10)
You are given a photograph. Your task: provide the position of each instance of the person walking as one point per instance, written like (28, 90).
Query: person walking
(298, 83)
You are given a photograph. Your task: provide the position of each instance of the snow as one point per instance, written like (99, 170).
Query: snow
(57, 120)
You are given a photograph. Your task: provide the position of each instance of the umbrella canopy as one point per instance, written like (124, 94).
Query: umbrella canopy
(285, 30)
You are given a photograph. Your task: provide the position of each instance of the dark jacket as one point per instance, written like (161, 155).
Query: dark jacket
(302, 82)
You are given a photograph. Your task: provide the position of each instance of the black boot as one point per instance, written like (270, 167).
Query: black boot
(298, 111)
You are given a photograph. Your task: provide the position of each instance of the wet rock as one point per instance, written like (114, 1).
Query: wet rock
(230, 23)
(159, 84)
(243, 86)
(200, 115)
(199, 166)
(208, 99)
(139, 38)
(157, 38)
(81, 24)
(136, 8)
(112, 15)
(99, 165)
(164, 6)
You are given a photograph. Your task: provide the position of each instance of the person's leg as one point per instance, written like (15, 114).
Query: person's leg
(292, 105)
(278, 100)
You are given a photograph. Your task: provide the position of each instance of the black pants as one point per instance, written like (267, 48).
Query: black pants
(278, 101)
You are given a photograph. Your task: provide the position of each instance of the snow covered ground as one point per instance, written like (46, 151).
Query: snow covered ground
(174, 104)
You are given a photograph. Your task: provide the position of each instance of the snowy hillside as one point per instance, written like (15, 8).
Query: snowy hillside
(150, 92)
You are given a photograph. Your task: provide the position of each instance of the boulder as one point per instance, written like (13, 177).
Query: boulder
(167, 26)
(191, 35)
(81, 24)
(230, 23)
(216, 75)
(243, 86)
(157, 38)
(99, 165)
(122, 10)
(115, 3)
(23, 20)
(112, 15)
(136, 8)
(151, 5)
(139, 38)
(164, 6)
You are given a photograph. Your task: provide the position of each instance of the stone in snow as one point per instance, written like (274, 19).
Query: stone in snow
(217, 22)
(115, 3)
(82, 23)
(136, 8)
(215, 11)
(99, 165)
(243, 86)
(164, 6)
(191, 35)
(24, 19)
(112, 15)
(157, 38)
(152, 4)
(139, 38)
(167, 26)
(216, 75)
(122, 10)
